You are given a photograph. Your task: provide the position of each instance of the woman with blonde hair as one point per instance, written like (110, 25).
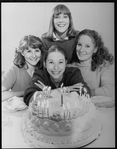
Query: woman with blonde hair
(28, 58)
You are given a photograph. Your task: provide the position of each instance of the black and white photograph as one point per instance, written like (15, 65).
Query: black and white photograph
(58, 74)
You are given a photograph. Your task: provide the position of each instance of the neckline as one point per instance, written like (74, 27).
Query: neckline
(61, 38)
(82, 65)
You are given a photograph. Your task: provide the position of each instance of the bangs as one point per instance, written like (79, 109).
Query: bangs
(61, 9)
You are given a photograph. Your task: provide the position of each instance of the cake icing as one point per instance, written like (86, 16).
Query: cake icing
(52, 122)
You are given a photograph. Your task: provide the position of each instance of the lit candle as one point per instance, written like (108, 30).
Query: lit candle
(75, 108)
(47, 108)
(44, 103)
(35, 94)
(40, 96)
(61, 85)
(80, 90)
(64, 89)
(49, 89)
(61, 99)
(42, 106)
(44, 90)
(85, 91)
(64, 111)
(61, 90)
(38, 103)
(68, 106)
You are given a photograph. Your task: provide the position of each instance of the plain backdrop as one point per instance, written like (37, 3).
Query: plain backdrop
(20, 19)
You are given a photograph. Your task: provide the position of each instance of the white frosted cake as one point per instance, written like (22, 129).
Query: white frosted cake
(52, 122)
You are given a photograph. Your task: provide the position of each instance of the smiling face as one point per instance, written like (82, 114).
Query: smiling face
(85, 48)
(32, 56)
(56, 64)
(61, 22)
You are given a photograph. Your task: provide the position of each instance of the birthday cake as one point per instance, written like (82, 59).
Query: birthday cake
(52, 121)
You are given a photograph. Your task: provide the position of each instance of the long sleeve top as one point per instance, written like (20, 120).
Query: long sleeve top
(16, 79)
(71, 76)
(100, 81)
(67, 45)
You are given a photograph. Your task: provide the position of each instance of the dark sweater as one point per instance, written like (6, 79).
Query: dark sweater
(71, 76)
(67, 45)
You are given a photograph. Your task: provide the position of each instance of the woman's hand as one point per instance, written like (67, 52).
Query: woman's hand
(75, 87)
(40, 85)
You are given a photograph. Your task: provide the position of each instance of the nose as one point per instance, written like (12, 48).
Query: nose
(56, 66)
(33, 54)
(81, 49)
(61, 19)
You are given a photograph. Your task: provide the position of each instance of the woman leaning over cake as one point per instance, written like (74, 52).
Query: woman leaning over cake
(95, 63)
(28, 57)
(54, 74)
(61, 30)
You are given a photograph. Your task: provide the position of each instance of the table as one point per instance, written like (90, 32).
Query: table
(12, 135)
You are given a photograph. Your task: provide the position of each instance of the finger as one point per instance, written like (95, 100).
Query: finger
(79, 84)
(74, 90)
(39, 85)
(40, 82)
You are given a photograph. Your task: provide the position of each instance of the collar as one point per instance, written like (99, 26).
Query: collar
(55, 37)
(82, 65)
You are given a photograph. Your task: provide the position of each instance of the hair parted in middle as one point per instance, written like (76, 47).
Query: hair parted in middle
(54, 48)
(59, 9)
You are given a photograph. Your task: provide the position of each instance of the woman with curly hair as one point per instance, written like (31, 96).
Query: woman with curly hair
(95, 62)
(61, 30)
(28, 58)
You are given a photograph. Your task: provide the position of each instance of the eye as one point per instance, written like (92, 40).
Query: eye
(50, 62)
(79, 44)
(37, 50)
(61, 62)
(65, 16)
(28, 51)
(87, 46)
(56, 17)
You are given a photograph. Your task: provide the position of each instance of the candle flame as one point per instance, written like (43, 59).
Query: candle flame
(61, 85)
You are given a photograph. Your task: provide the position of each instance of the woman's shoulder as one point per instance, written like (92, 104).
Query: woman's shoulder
(106, 66)
(72, 69)
(40, 72)
(44, 35)
(12, 68)
(77, 32)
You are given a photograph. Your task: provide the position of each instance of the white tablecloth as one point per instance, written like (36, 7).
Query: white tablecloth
(12, 135)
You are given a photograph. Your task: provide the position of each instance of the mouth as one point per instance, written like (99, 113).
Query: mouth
(34, 59)
(82, 54)
(56, 72)
(61, 25)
